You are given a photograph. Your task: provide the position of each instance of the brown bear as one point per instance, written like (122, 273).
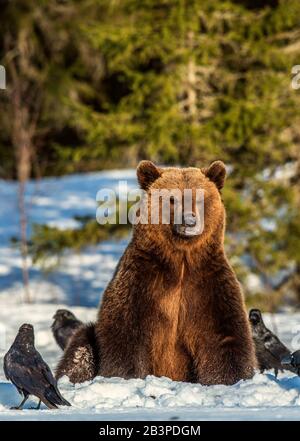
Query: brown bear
(174, 307)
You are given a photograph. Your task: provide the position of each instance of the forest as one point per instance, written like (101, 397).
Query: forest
(101, 84)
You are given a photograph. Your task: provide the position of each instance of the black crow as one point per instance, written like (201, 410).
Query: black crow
(269, 349)
(292, 360)
(64, 326)
(25, 368)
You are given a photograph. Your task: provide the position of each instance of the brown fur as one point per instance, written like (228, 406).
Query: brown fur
(174, 306)
(80, 361)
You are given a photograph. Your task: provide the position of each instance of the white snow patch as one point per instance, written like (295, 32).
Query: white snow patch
(263, 397)
(155, 392)
(81, 277)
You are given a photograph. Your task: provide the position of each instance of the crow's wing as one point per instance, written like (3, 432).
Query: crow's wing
(51, 391)
(66, 332)
(5, 367)
(23, 370)
(75, 323)
(265, 359)
(45, 372)
(60, 338)
(73, 326)
(275, 346)
(21, 375)
(63, 336)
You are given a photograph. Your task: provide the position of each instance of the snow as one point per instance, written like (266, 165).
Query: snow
(81, 277)
(78, 284)
(263, 397)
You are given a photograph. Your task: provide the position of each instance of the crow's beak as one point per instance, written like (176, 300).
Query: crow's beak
(287, 360)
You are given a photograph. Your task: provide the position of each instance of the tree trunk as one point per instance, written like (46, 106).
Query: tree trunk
(22, 141)
(23, 234)
(25, 97)
(23, 157)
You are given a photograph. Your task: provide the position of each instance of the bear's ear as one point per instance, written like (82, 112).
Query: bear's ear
(216, 173)
(147, 173)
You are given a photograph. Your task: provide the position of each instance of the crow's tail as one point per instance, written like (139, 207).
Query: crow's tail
(54, 397)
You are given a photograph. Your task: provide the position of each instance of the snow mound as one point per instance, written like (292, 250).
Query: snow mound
(117, 395)
(263, 397)
(108, 393)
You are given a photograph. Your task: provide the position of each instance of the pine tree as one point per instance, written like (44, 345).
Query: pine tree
(179, 82)
(194, 81)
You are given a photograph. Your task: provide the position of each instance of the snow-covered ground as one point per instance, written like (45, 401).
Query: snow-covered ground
(80, 278)
(263, 397)
(78, 284)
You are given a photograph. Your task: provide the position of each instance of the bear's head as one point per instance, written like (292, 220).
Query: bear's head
(201, 216)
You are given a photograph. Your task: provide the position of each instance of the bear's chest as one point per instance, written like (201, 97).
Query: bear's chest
(168, 352)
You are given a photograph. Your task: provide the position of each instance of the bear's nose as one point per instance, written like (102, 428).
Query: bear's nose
(189, 220)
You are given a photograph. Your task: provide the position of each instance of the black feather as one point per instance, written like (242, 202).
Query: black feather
(292, 361)
(64, 326)
(25, 368)
(269, 349)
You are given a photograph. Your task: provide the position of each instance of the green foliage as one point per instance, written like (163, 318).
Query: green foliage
(179, 82)
(49, 244)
